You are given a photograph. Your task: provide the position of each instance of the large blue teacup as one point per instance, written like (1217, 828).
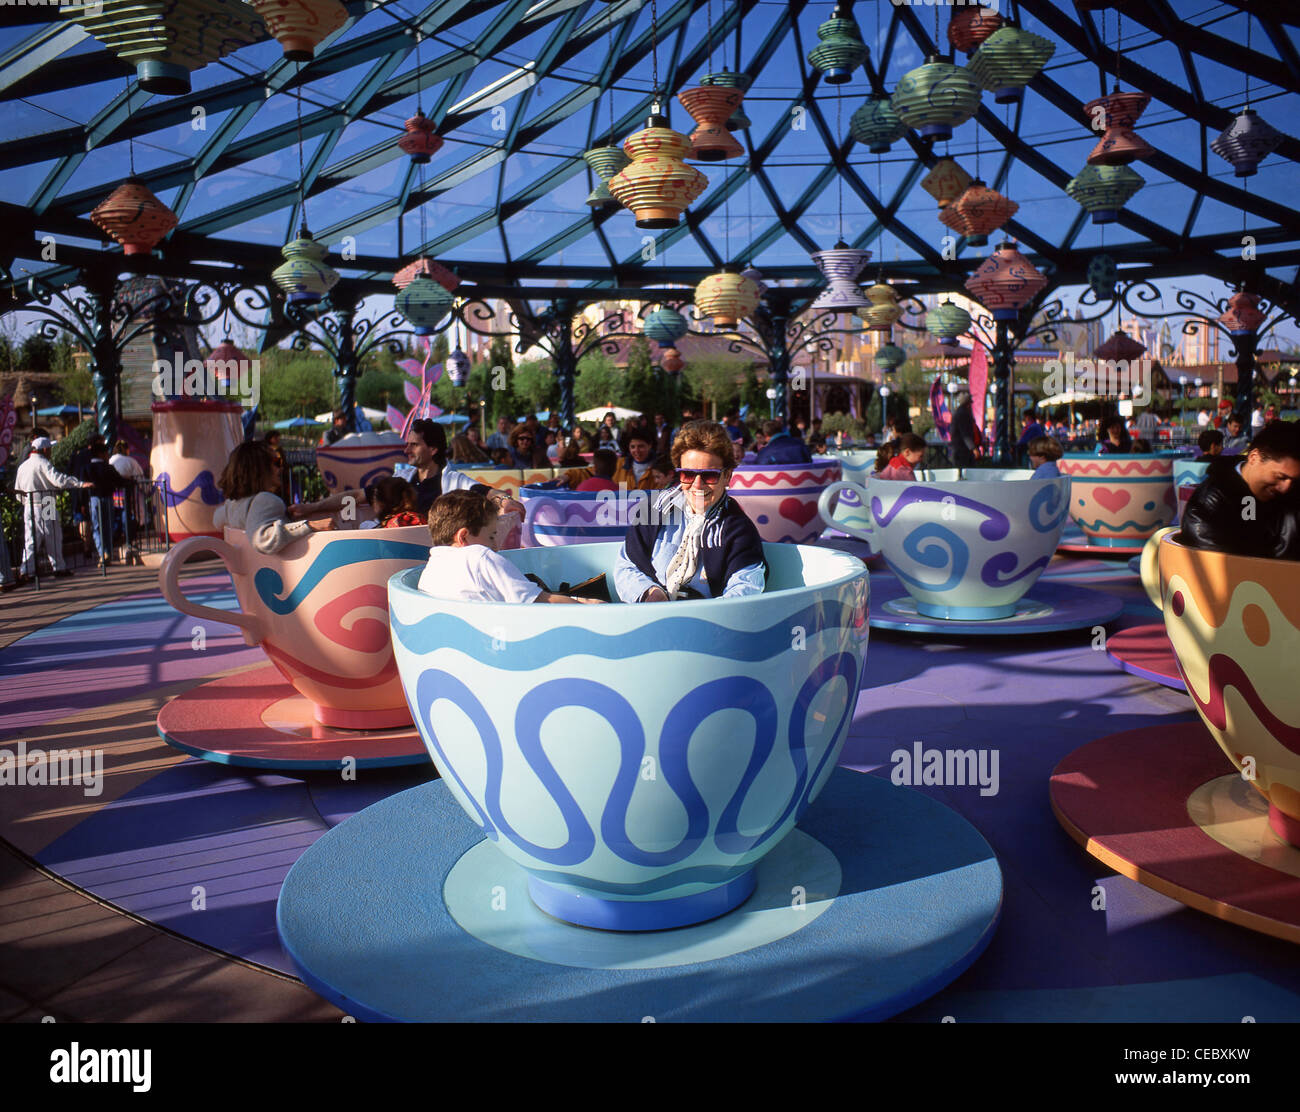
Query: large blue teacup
(850, 509)
(966, 549)
(637, 760)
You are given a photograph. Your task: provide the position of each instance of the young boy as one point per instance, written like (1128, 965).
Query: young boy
(1044, 451)
(463, 562)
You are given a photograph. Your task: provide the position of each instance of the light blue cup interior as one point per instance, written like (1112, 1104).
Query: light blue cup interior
(558, 516)
(637, 760)
(1189, 472)
(967, 549)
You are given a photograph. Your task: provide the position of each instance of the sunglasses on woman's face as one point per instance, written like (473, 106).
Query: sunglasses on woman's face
(687, 478)
(524, 439)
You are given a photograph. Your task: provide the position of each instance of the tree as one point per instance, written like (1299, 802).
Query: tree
(76, 387)
(36, 354)
(379, 388)
(641, 389)
(598, 382)
(712, 382)
(300, 388)
(535, 385)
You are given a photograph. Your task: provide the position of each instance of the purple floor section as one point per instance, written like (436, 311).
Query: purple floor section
(1030, 701)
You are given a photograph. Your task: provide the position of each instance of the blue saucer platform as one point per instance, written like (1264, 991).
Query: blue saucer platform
(878, 900)
(1049, 607)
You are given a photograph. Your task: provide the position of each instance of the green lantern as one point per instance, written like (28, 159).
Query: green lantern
(665, 326)
(304, 275)
(876, 124)
(1008, 60)
(841, 50)
(1102, 276)
(947, 321)
(935, 98)
(605, 162)
(890, 357)
(425, 304)
(1104, 190)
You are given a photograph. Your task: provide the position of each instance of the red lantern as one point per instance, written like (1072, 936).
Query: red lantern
(1115, 115)
(671, 360)
(134, 217)
(1243, 316)
(429, 269)
(711, 106)
(420, 141)
(1006, 282)
(977, 212)
(971, 26)
(300, 25)
(1121, 346)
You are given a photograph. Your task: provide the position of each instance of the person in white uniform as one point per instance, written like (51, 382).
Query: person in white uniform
(37, 484)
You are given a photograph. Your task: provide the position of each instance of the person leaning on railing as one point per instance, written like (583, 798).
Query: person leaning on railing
(1247, 504)
(36, 484)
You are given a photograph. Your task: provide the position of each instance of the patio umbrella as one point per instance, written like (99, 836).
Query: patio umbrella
(296, 423)
(620, 414)
(371, 415)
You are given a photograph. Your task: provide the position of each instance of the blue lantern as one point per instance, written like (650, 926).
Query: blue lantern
(665, 326)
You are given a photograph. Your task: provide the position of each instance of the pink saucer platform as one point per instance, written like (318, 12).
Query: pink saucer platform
(1074, 539)
(1162, 806)
(1145, 651)
(255, 719)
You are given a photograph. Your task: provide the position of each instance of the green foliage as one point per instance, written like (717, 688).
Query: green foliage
(712, 383)
(66, 447)
(76, 386)
(36, 354)
(500, 355)
(834, 423)
(440, 348)
(642, 389)
(301, 387)
(379, 388)
(535, 386)
(598, 382)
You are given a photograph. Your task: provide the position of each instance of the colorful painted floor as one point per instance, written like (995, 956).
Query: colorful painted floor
(155, 899)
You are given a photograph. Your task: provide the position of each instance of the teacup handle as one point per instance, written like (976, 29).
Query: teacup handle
(827, 511)
(232, 558)
(528, 538)
(1149, 566)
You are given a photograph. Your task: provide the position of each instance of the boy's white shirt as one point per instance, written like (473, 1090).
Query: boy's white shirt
(474, 573)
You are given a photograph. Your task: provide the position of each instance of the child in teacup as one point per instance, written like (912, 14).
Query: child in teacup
(394, 502)
(463, 562)
(251, 484)
(911, 451)
(1044, 451)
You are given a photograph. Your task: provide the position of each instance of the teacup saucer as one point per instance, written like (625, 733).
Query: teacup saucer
(1157, 805)
(255, 719)
(1145, 651)
(894, 896)
(1074, 539)
(1048, 608)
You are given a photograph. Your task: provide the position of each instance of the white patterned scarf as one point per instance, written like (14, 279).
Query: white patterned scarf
(686, 560)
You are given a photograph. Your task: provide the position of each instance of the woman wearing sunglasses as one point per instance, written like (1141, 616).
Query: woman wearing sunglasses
(699, 543)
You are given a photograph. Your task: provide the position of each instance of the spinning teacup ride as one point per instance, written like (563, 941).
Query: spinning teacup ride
(1161, 804)
(626, 789)
(966, 548)
(781, 498)
(318, 609)
(355, 461)
(1118, 501)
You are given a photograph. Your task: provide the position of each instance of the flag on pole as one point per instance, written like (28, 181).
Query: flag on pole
(939, 409)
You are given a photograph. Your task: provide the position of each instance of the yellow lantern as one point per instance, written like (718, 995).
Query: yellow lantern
(726, 298)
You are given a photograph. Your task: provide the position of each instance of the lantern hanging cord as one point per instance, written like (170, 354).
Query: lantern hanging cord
(709, 33)
(654, 46)
(1250, 23)
(419, 80)
(839, 173)
(130, 142)
(302, 197)
(610, 91)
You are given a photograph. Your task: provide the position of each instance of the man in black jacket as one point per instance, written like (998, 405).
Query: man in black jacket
(1247, 505)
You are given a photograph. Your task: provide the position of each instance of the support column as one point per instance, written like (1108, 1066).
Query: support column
(346, 368)
(1003, 358)
(778, 364)
(1246, 344)
(105, 359)
(566, 363)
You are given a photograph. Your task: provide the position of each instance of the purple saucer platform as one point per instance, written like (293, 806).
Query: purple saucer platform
(1145, 651)
(1135, 564)
(1049, 607)
(1162, 806)
(255, 719)
(1074, 539)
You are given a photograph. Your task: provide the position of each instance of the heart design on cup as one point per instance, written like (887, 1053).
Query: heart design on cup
(1111, 500)
(798, 511)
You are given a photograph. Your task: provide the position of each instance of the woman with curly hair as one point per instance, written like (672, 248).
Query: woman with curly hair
(699, 542)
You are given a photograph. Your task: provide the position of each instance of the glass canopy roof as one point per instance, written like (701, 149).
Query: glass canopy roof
(520, 88)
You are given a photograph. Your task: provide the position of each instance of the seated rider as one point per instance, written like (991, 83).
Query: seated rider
(699, 542)
(1245, 504)
(911, 451)
(600, 476)
(781, 446)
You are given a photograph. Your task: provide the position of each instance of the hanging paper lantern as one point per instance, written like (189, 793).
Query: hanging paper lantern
(420, 141)
(841, 50)
(605, 162)
(134, 217)
(1246, 142)
(665, 326)
(946, 181)
(424, 303)
(430, 269)
(884, 309)
(304, 275)
(1121, 346)
(876, 124)
(756, 276)
(971, 26)
(1006, 282)
(935, 98)
(726, 298)
(977, 212)
(1008, 60)
(222, 360)
(457, 365)
(165, 40)
(1242, 317)
(947, 321)
(300, 25)
(1114, 115)
(711, 107)
(841, 265)
(890, 357)
(671, 361)
(656, 184)
(1102, 276)
(1104, 190)
(737, 121)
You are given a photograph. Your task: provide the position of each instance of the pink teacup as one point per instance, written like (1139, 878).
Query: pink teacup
(192, 440)
(319, 610)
